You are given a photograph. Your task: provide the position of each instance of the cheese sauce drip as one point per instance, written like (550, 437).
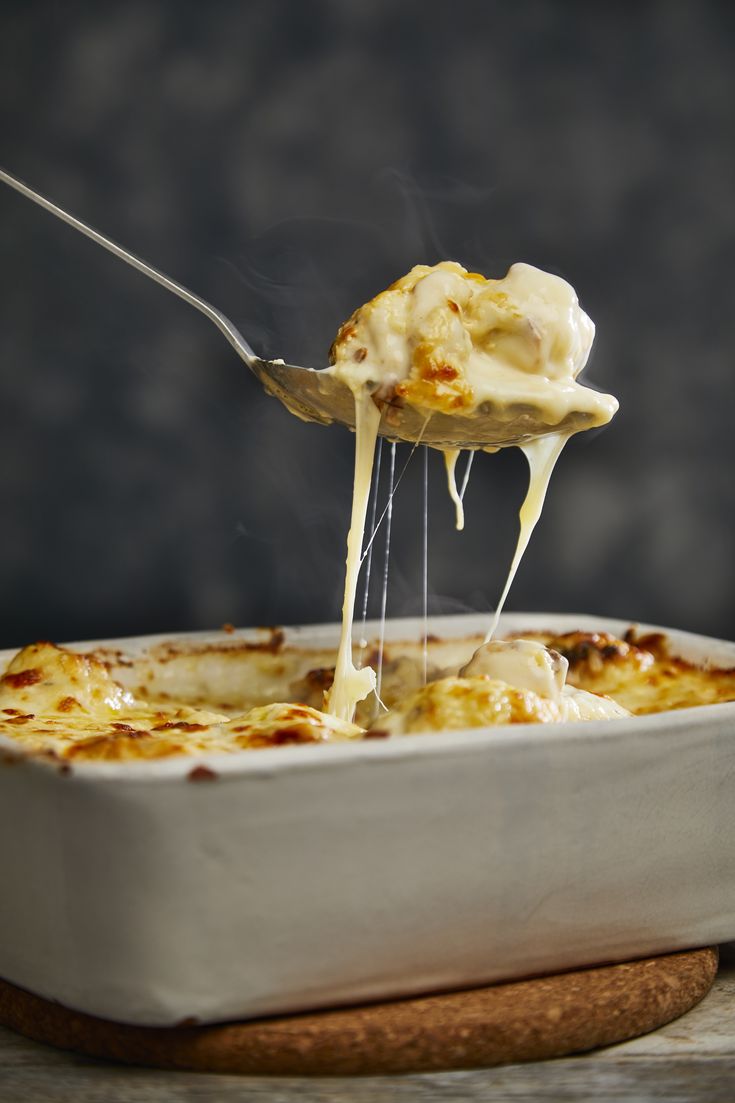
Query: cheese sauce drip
(451, 455)
(542, 455)
(350, 684)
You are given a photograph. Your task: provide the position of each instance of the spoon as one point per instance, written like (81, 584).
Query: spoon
(321, 397)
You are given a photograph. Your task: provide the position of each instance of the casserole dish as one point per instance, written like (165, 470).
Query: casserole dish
(297, 877)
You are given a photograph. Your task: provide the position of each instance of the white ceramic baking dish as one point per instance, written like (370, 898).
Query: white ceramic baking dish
(310, 876)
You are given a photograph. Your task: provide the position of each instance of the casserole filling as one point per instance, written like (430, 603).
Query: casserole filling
(192, 700)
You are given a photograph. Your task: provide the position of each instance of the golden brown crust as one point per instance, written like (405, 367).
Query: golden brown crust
(639, 672)
(458, 703)
(435, 384)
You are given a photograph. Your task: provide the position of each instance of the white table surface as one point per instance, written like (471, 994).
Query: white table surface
(691, 1059)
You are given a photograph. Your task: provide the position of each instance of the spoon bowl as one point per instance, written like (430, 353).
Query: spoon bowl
(318, 395)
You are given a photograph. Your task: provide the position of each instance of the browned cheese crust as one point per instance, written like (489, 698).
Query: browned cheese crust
(638, 671)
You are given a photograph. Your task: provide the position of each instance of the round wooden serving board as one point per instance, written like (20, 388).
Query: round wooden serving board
(520, 1021)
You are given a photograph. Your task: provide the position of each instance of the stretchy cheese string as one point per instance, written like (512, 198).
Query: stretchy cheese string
(386, 565)
(542, 455)
(368, 555)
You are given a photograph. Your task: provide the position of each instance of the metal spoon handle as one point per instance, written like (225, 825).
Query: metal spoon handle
(223, 323)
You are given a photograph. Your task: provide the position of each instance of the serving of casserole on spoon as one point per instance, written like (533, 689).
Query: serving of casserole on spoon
(490, 420)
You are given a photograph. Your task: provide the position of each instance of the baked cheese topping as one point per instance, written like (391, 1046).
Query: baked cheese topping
(443, 339)
(456, 703)
(639, 672)
(514, 682)
(75, 707)
(68, 704)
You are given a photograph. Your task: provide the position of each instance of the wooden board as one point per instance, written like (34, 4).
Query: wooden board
(520, 1021)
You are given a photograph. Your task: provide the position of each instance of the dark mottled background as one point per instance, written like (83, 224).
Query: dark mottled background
(286, 160)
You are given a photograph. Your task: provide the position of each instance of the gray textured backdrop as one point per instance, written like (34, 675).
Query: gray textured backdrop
(286, 160)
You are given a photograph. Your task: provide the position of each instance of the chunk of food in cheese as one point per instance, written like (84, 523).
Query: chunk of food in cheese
(448, 340)
(455, 703)
(48, 679)
(526, 664)
(514, 682)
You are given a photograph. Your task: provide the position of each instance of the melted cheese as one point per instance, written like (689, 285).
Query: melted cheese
(447, 340)
(640, 675)
(523, 663)
(451, 455)
(542, 455)
(175, 701)
(513, 682)
(67, 704)
(444, 339)
(440, 339)
(453, 704)
(350, 684)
